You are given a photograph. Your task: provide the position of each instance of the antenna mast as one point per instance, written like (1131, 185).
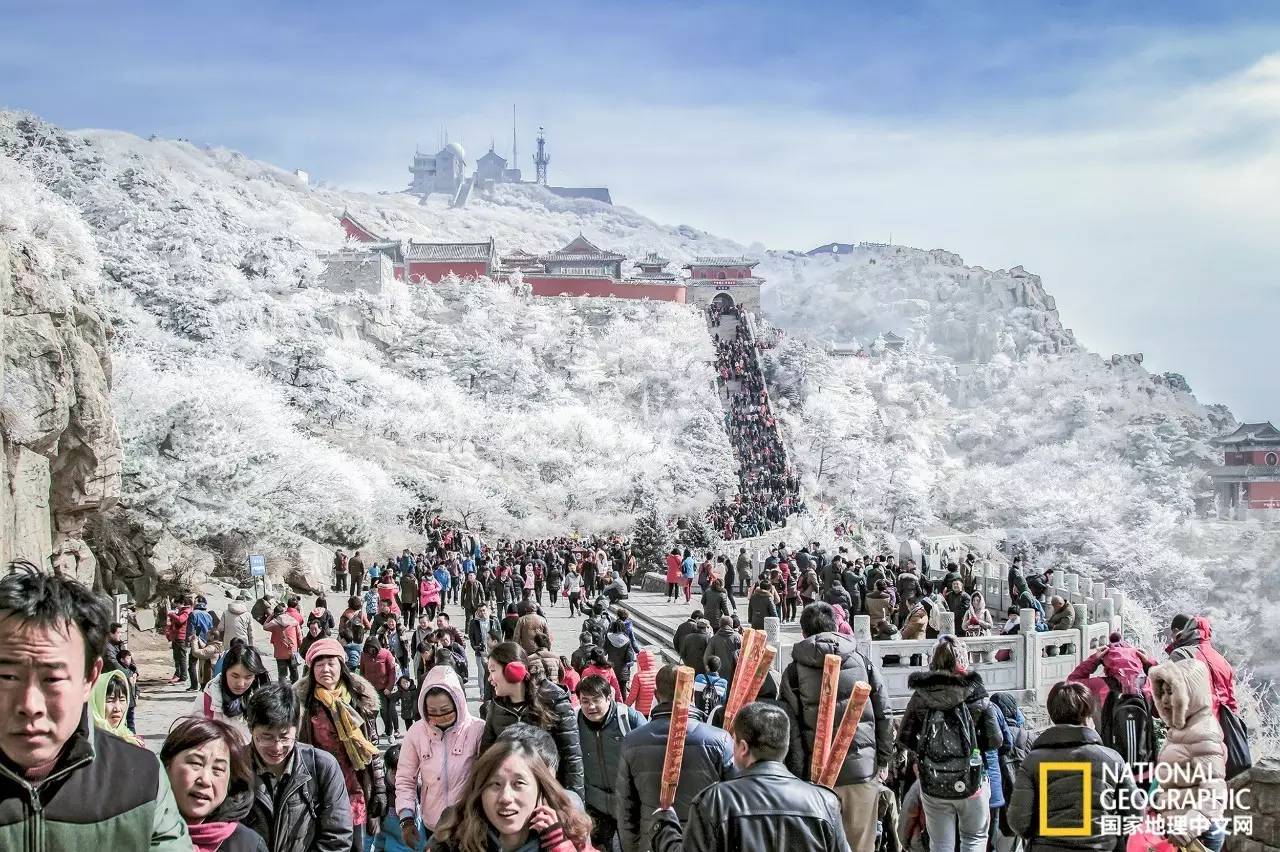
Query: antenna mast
(515, 158)
(541, 159)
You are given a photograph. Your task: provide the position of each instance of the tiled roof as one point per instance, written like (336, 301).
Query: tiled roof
(722, 261)
(581, 248)
(449, 251)
(1249, 433)
(352, 219)
(652, 259)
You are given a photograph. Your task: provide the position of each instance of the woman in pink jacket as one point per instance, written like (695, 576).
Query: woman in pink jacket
(429, 596)
(437, 753)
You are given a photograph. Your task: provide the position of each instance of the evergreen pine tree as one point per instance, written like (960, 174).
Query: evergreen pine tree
(695, 535)
(649, 542)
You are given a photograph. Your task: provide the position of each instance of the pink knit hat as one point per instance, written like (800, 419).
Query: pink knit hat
(325, 648)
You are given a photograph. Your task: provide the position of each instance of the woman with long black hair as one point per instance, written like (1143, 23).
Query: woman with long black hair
(522, 695)
(224, 697)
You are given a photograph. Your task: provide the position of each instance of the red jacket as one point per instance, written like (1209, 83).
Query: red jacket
(1121, 661)
(673, 568)
(175, 629)
(644, 682)
(284, 636)
(379, 670)
(607, 673)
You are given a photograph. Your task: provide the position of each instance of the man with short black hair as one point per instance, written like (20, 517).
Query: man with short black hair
(708, 758)
(765, 807)
(300, 799)
(602, 724)
(62, 780)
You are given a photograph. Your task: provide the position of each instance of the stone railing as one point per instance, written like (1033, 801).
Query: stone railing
(1027, 663)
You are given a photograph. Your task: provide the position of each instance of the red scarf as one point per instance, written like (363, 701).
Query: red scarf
(208, 836)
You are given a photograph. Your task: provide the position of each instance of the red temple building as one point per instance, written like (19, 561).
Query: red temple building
(430, 262)
(582, 268)
(1247, 486)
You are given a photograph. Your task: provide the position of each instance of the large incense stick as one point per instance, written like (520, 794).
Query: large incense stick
(753, 685)
(845, 734)
(826, 715)
(674, 759)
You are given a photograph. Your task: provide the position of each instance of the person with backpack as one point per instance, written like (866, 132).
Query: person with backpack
(950, 724)
(1020, 739)
(602, 725)
(1071, 739)
(710, 690)
(857, 784)
(1193, 639)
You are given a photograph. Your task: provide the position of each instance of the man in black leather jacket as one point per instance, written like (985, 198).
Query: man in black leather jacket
(765, 807)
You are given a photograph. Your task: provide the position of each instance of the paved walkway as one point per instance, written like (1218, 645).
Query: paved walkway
(160, 703)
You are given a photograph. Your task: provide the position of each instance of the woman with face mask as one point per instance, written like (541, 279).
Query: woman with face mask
(110, 704)
(208, 768)
(224, 697)
(338, 712)
(513, 803)
(437, 753)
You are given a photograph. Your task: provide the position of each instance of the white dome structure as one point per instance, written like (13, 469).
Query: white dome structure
(455, 149)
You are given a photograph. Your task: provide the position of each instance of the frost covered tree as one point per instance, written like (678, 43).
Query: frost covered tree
(649, 541)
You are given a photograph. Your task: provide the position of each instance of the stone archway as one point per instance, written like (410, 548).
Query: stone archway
(723, 301)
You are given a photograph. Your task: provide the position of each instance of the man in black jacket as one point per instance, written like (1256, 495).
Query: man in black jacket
(857, 785)
(708, 758)
(685, 628)
(765, 807)
(693, 649)
(300, 801)
(725, 644)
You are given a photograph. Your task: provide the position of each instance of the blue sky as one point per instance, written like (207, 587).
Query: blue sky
(1125, 152)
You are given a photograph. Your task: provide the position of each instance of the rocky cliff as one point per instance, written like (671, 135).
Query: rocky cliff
(61, 456)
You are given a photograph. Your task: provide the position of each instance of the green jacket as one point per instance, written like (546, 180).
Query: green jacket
(104, 793)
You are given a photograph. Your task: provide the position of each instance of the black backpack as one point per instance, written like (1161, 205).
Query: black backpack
(946, 748)
(1129, 729)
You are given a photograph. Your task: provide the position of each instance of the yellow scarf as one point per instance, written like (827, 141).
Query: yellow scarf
(349, 724)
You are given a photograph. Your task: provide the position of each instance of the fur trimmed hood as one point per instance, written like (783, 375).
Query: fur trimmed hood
(942, 690)
(363, 696)
(1181, 689)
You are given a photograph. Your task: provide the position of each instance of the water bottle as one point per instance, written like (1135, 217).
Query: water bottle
(975, 758)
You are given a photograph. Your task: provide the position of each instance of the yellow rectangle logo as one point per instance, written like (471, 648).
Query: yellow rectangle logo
(1086, 771)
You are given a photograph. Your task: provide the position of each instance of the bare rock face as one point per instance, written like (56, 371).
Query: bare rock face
(60, 453)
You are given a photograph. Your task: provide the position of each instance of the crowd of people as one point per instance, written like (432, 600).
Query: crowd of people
(768, 489)
(365, 738)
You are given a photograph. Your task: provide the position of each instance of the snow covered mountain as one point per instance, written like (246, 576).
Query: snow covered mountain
(255, 406)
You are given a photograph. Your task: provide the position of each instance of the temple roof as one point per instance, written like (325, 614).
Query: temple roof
(581, 248)
(449, 251)
(359, 225)
(652, 259)
(1251, 433)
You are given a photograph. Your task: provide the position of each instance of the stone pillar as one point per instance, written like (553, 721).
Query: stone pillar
(1030, 649)
(772, 633)
(1106, 613)
(862, 635)
(1117, 595)
(1082, 625)
(1071, 582)
(948, 620)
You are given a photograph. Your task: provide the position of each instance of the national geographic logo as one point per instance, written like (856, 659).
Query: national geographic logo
(1085, 770)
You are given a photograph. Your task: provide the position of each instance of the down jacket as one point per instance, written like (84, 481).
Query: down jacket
(1194, 745)
(644, 682)
(1064, 807)
(708, 758)
(437, 762)
(872, 747)
(601, 751)
(501, 713)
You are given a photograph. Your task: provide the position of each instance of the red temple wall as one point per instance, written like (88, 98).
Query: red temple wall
(600, 287)
(433, 271)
